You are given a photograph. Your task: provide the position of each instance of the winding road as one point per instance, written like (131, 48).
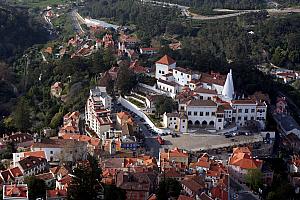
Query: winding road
(186, 12)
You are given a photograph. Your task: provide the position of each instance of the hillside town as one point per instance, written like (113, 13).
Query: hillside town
(176, 133)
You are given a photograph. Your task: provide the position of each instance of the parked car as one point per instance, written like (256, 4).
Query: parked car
(142, 120)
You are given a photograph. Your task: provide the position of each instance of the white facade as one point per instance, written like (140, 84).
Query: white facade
(97, 111)
(175, 121)
(203, 114)
(248, 110)
(182, 76)
(171, 88)
(163, 69)
(70, 150)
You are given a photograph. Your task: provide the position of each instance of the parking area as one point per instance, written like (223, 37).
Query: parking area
(208, 141)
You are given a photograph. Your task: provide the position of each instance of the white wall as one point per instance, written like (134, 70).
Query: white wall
(141, 114)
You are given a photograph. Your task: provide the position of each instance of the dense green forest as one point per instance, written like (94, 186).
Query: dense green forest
(232, 4)
(18, 31)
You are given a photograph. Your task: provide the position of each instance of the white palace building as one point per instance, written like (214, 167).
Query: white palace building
(205, 100)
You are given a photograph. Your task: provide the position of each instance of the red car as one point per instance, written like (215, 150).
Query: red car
(160, 140)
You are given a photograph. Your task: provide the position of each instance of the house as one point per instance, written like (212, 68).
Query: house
(137, 68)
(176, 121)
(184, 197)
(163, 66)
(19, 156)
(19, 139)
(56, 194)
(58, 150)
(193, 185)
(129, 143)
(93, 144)
(125, 121)
(70, 123)
(31, 165)
(241, 161)
(202, 164)
(11, 175)
(149, 50)
(97, 112)
(138, 186)
(281, 106)
(204, 196)
(48, 177)
(174, 158)
(15, 192)
(56, 89)
(287, 124)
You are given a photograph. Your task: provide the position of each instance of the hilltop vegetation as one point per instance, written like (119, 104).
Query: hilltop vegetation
(18, 31)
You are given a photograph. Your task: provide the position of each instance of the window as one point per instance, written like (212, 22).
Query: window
(163, 72)
(213, 114)
(201, 113)
(159, 71)
(201, 97)
(51, 152)
(174, 118)
(207, 113)
(240, 110)
(181, 107)
(239, 118)
(188, 76)
(189, 113)
(175, 72)
(246, 110)
(181, 74)
(252, 118)
(219, 120)
(183, 120)
(195, 113)
(252, 110)
(208, 98)
(245, 118)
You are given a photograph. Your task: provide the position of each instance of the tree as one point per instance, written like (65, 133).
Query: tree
(36, 187)
(165, 104)
(254, 179)
(56, 120)
(168, 188)
(111, 192)
(126, 80)
(21, 115)
(86, 181)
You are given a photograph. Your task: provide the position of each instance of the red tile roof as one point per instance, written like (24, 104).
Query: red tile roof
(15, 191)
(56, 193)
(166, 60)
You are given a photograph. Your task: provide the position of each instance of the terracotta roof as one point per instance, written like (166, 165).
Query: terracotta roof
(31, 161)
(243, 101)
(56, 193)
(183, 197)
(216, 79)
(244, 161)
(16, 172)
(45, 176)
(200, 102)
(56, 143)
(166, 60)
(241, 150)
(60, 170)
(200, 89)
(15, 191)
(39, 154)
(83, 138)
(204, 196)
(194, 183)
